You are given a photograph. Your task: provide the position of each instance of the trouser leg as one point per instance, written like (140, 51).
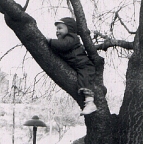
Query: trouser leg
(86, 77)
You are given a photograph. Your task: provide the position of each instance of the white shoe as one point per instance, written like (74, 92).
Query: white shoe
(89, 108)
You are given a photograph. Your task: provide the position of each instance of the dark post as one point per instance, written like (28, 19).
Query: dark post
(35, 122)
(34, 134)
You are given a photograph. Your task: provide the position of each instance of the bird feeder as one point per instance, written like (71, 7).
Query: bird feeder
(35, 122)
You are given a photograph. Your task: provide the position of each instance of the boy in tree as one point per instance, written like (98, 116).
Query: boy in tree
(69, 48)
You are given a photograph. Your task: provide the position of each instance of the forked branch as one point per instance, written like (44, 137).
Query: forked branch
(109, 42)
(122, 23)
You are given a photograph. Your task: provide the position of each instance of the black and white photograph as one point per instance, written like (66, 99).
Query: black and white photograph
(71, 71)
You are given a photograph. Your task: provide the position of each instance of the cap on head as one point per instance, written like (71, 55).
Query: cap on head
(70, 23)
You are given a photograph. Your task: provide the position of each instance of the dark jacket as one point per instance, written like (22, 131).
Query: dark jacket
(71, 50)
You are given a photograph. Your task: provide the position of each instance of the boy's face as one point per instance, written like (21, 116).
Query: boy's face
(62, 30)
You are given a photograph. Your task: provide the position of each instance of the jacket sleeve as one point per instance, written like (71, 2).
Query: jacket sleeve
(63, 45)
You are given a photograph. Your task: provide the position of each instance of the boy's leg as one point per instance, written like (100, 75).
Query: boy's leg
(86, 76)
(90, 107)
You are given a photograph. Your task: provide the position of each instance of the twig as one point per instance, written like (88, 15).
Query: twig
(112, 24)
(70, 8)
(26, 5)
(97, 33)
(35, 81)
(24, 59)
(124, 25)
(9, 51)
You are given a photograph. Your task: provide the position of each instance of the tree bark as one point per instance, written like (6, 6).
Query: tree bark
(99, 123)
(131, 112)
(131, 116)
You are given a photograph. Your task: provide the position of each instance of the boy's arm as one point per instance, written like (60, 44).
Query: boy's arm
(63, 45)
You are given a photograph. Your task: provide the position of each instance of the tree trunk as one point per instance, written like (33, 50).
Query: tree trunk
(131, 112)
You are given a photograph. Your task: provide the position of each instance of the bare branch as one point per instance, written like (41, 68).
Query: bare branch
(9, 51)
(24, 59)
(97, 33)
(111, 43)
(26, 5)
(70, 8)
(116, 16)
(35, 81)
(82, 27)
(122, 23)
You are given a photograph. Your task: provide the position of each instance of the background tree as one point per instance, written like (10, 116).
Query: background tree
(99, 124)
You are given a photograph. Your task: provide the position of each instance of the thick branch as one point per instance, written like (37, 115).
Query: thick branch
(111, 43)
(82, 27)
(97, 127)
(34, 41)
(11, 8)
